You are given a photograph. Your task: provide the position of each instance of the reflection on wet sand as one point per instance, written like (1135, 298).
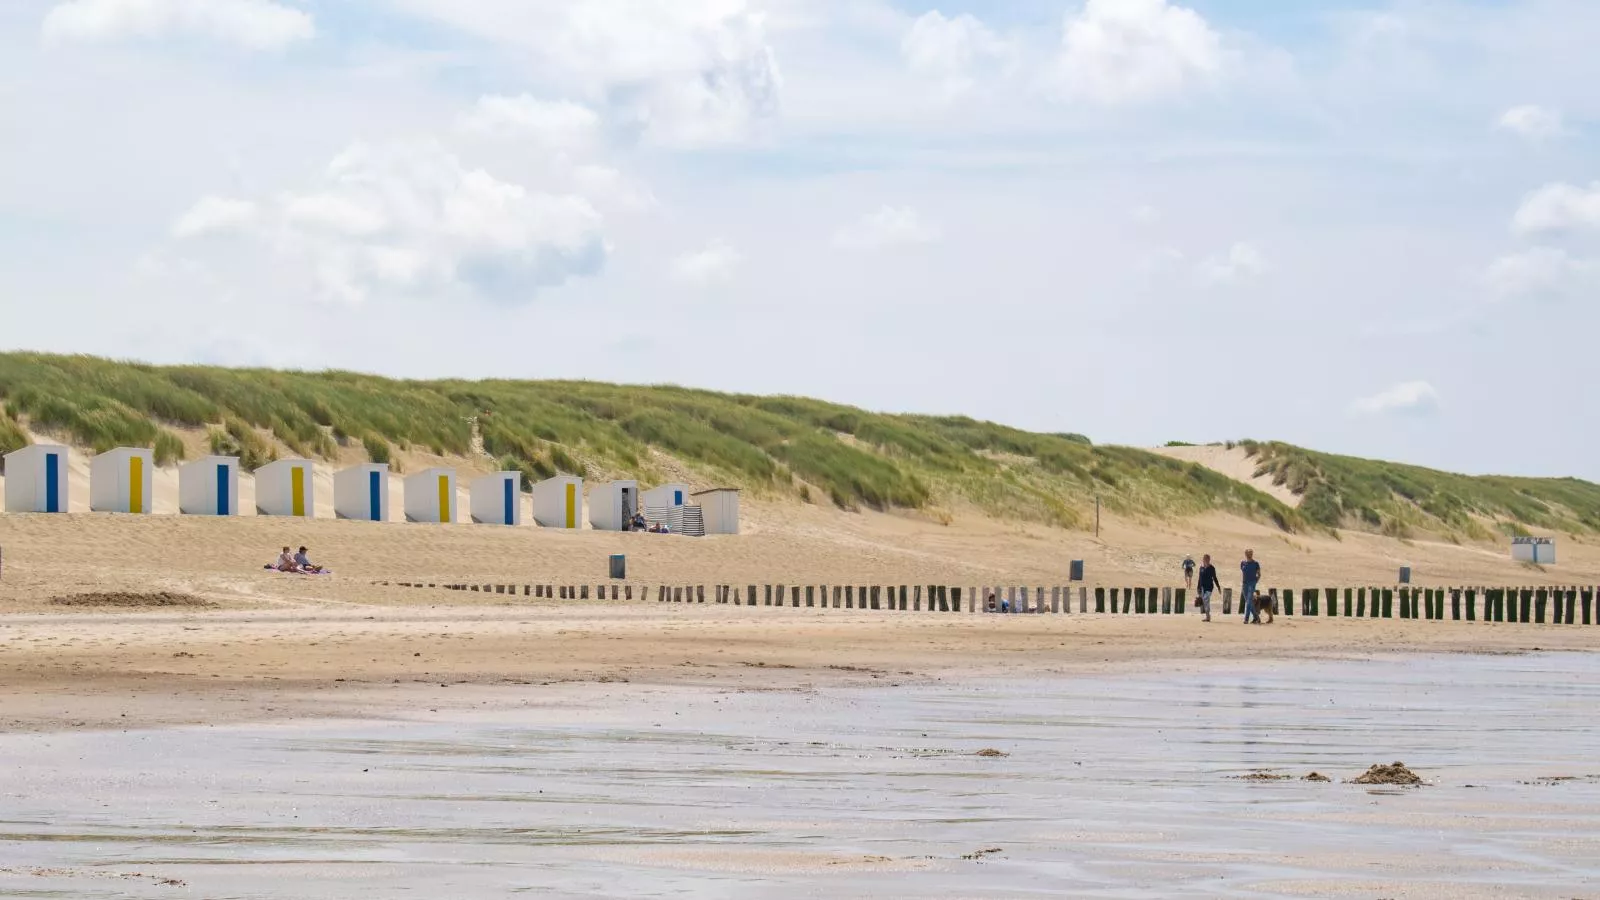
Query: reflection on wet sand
(1108, 787)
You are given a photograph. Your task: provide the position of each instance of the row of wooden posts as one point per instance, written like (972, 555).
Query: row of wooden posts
(1537, 605)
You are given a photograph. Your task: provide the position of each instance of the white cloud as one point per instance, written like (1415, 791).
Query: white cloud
(335, 214)
(1243, 262)
(1535, 123)
(412, 219)
(1559, 207)
(1541, 271)
(689, 72)
(951, 51)
(714, 264)
(607, 186)
(889, 226)
(1406, 398)
(554, 125)
(1128, 51)
(253, 24)
(213, 215)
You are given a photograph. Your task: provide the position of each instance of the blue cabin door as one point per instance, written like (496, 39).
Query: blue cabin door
(52, 482)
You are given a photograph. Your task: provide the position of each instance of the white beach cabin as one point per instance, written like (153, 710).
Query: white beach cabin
(36, 479)
(496, 498)
(558, 502)
(431, 496)
(120, 481)
(283, 488)
(209, 486)
(667, 496)
(720, 509)
(362, 493)
(612, 504)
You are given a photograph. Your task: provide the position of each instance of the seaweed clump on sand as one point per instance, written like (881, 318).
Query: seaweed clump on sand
(1316, 776)
(1393, 774)
(990, 752)
(131, 600)
(1262, 775)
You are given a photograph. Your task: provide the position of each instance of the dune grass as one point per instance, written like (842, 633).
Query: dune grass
(1343, 491)
(790, 446)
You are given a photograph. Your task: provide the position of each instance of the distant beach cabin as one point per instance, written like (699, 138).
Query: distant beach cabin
(362, 493)
(119, 481)
(431, 496)
(558, 502)
(1538, 550)
(284, 488)
(496, 499)
(720, 509)
(36, 479)
(666, 496)
(209, 486)
(612, 505)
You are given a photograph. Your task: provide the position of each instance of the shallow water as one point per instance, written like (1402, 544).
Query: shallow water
(1113, 787)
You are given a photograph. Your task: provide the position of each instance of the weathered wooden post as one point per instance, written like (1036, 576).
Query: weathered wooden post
(1055, 600)
(1286, 608)
(1588, 606)
(1572, 606)
(1100, 600)
(1539, 600)
(1083, 600)
(1180, 601)
(1527, 607)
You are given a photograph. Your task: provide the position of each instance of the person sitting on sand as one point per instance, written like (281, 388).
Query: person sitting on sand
(989, 604)
(638, 522)
(305, 564)
(286, 562)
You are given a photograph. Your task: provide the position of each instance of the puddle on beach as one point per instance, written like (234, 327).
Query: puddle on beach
(1111, 787)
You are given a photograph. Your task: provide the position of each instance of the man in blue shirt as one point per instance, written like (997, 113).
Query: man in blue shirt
(1250, 570)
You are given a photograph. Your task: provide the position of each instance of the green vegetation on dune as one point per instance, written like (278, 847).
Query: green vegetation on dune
(1342, 491)
(807, 449)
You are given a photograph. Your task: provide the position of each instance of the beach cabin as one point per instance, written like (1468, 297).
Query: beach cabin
(612, 505)
(362, 493)
(209, 486)
(36, 479)
(283, 488)
(719, 508)
(431, 496)
(120, 481)
(1537, 550)
(496, 499)
(558, 502)
(667, 496)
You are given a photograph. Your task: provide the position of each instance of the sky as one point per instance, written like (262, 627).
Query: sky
(1364, 227)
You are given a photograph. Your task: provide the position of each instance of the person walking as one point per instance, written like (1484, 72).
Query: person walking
(1188, 572)
(1250, 574)
(1208, 584)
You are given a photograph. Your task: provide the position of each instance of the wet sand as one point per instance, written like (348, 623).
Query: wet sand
(156, 668)
(1124, 784)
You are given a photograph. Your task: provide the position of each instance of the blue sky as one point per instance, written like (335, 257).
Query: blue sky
(1370, 228)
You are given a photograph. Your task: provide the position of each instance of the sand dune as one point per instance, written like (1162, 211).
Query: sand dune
(1235, 463)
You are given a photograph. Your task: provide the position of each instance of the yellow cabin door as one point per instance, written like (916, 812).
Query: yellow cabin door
(297, 491)
(136, 484)
(444, 499)
(572, 505)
